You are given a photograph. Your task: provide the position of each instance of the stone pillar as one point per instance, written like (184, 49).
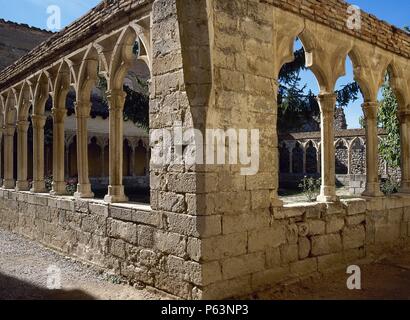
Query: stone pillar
(39, 122)
(404, 119)
(372, 146)
(275, 145)
(8, 180)
(59, 185)
(327, 103)
(318, 162)
(83, 109)
(22, 182)
(116, 100)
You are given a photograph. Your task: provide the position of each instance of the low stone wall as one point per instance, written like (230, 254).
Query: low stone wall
(304, 240)
(130, 240)
(144, 245)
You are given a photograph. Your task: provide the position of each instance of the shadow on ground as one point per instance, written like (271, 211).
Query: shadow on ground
(15, 289)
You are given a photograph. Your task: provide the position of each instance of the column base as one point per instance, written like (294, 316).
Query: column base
(84, 191)
(327, 195)
(39, 187)
(59, 188)
(22, 186)
(116, 194)
(9, 184)
(405, 187)
(372, 190)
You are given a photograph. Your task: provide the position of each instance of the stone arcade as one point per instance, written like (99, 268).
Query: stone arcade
(208, 232)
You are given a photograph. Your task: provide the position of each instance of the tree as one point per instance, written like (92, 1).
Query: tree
(390, 149)
(296, 107)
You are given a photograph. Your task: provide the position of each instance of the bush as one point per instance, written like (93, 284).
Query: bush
(310, 188)
(390, 186)
(71, 185)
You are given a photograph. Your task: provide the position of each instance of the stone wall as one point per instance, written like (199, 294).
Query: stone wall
(150, 247)
(143, 245)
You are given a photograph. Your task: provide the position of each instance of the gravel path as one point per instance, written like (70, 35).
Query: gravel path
(24, 269)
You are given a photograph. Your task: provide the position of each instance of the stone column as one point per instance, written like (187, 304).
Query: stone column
(318, 162)
(116, 100)
(349, 159)
(22, 182)
(8, 180)
(275, 145)
(66, 161)
(327, 103)
(372, 146)
(39, 122)
(404, 119)
(82, 109)
(59, 185)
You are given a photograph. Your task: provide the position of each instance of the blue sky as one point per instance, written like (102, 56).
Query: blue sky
(34, 13)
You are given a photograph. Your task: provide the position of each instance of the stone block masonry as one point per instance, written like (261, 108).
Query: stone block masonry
(143, 245)
(209, 233)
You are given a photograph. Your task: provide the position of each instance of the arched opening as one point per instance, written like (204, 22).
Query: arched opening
(72, 160)
(141, 160)
(311, 158)
(341, 157)
(94, 158)
(358, 157)
(297, 159)
(126, 169)
(284, 159)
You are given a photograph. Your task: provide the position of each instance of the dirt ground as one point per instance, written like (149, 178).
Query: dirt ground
(25, 269)
(24, 273)
(387, 279)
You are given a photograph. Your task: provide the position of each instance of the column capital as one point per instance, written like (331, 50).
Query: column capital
(370, 110)
(39, 121)
(327, 102)
(9, 130)
(23, 125)
(116, 99)
(82, 109)
(58, 114)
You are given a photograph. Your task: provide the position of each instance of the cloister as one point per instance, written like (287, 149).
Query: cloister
(208, 231)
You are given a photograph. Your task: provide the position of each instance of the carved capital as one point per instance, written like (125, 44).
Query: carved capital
(370, 110)
(327, 104)
(39, 121)
(59, 115)
(8, 131)
(82, 109)
(116, 100)
(22, 126)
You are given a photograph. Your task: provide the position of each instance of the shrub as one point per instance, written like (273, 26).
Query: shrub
(390, 185)
(310, 188)
(71, 185)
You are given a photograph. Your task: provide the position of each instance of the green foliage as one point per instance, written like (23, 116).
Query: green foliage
(310, 188)
(48, 182)
(390, 148)
(295, 105)
(71, 186)
(390, 186)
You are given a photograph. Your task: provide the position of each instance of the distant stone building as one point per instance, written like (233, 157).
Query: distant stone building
(18, 39)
